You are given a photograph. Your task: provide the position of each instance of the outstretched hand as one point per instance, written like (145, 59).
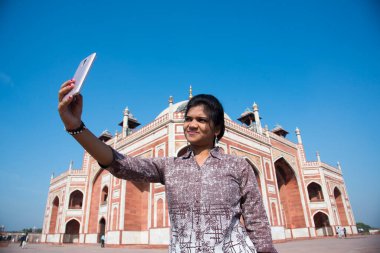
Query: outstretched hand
(70, 109)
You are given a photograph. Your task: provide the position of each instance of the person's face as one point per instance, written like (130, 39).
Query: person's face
(198, 127)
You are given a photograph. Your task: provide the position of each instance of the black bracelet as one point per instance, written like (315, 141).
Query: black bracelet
(80, 129)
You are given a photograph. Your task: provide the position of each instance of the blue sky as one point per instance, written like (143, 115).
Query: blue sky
(313, 65)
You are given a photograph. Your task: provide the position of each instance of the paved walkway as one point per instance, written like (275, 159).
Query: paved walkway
(357, 244)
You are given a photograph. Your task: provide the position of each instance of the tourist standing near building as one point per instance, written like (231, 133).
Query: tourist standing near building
(208, 191)
(102, 240)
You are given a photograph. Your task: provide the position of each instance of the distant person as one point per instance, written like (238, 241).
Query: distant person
(339, 232)
(25, 241)
(22, 239)
(208, 191)
(102, 240)
(345, 232)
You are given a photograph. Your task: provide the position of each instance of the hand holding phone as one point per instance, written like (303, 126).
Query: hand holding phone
(80, 74)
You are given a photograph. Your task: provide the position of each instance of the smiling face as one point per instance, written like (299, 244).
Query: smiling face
(199, 130)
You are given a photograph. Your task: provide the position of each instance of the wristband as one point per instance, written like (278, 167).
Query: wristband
(78, 130)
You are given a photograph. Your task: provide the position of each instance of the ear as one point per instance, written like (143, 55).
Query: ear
(217, 131)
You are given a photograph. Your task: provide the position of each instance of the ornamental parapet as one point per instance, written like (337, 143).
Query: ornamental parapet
(317, 165)
(282, 139)
(234, 126)
(157, 123)
(331, 168)
(57, 178)
(66, 174)
(311, 164)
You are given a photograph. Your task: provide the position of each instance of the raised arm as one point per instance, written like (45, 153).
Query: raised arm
(70, 111)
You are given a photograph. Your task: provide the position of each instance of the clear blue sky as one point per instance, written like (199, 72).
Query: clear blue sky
(313, 65)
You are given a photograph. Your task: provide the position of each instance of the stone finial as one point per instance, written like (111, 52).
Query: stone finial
(338, 164)
(298, 134)
(171, 100)
(52, 176)
(318, 157)
(190, 92)
(255, 106)
(126, 111)
(71, 165)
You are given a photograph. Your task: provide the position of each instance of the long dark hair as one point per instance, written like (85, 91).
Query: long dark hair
(213, 108)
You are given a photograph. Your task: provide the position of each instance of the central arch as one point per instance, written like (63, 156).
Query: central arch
(290, 196)
(322, 224)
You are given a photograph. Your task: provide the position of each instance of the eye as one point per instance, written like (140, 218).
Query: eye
(188, 119)
(202, 120)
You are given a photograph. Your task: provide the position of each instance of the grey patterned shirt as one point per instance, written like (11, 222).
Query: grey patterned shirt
(205, 202)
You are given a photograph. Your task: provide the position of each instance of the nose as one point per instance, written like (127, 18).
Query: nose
(193, 124)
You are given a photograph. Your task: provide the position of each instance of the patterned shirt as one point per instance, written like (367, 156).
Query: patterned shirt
(205, 202)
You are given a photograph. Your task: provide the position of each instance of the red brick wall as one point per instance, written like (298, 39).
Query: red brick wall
(95, 202)
(340, 207)
(160, 213)
(136, 206)
(54, 214)
(274, 214)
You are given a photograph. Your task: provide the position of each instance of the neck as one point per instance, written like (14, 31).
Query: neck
(201, 151)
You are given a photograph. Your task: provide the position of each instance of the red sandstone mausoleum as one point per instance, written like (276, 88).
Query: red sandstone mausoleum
(303, 199)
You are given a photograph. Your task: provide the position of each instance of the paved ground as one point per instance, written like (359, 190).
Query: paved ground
(359, 244)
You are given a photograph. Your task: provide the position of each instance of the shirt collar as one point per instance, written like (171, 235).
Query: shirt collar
(215, 152)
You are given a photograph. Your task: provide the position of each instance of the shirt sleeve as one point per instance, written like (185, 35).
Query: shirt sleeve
(255, 217)
(137, 169)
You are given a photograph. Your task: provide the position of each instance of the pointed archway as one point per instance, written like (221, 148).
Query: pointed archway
(54, 215)
(102, 228)
(340, 206)
(71, 232)
(315, 192)
(322, 224)
(290, 197)
(76, 200)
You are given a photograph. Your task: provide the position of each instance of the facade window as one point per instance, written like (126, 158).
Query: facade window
(76, 200)
(315, 192)
(104, 197)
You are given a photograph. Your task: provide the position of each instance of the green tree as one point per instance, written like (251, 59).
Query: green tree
(361, 225)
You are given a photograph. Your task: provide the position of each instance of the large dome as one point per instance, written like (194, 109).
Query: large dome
(181, 106)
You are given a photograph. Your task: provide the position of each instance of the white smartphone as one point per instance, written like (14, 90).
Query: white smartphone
(80, 74)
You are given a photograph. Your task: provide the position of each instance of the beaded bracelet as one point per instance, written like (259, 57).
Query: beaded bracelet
(80, 129)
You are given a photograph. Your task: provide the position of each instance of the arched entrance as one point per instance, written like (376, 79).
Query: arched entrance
(54, 215)
(76, 200)
(71, 232)
(340, 207)
(315, 192)
(322, 224)
(290, 197)
(102, 228)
